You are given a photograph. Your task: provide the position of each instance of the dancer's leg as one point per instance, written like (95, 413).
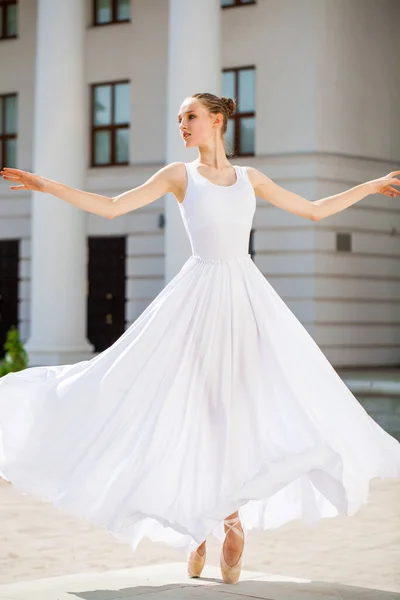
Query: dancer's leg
(233, 545)
(202, 548)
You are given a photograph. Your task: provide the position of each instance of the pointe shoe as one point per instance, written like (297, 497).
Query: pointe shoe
(231, 574)
(196, 563)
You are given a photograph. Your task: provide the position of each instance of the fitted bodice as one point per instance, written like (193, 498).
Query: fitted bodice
(218, 218)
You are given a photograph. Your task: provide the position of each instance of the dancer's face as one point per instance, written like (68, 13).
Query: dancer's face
(202, 126)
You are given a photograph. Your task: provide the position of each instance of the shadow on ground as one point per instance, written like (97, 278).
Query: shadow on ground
(314, 590)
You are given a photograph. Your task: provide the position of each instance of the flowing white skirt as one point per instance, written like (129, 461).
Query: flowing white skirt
(215, 399)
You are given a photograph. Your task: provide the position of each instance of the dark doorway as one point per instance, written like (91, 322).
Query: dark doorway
(106, 290)
(9, 257)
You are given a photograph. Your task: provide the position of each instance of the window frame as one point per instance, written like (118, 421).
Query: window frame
(114, 12)
(3, 30)
(111, 127)
(237, 116)
(239, 3)
(6, 136)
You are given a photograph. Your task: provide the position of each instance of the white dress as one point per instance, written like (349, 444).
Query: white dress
(215, 399)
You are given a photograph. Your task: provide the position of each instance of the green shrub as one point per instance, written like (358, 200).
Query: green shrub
(16, 357)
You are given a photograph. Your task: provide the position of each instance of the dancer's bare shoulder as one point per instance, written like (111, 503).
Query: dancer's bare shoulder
(170, 178)
(174, 178)
(178, 180)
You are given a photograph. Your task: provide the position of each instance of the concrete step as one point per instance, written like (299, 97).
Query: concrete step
(170, 582)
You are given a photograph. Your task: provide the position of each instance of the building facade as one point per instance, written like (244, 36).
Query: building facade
(89, 95)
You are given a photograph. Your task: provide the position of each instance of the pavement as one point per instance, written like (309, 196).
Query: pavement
(170, 582)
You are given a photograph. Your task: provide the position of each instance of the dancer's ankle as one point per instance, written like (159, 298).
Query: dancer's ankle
(202, 548)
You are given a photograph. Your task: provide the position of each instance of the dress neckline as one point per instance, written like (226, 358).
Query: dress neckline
(217, 184)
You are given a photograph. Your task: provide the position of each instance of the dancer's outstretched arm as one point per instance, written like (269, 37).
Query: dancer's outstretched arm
(165, 180)
(320, 209)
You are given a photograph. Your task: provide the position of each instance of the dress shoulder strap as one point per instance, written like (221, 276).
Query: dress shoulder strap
(190, 171)
(242, 174)
(239, 171)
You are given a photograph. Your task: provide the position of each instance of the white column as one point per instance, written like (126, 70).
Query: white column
(58, 273)
(194, 65)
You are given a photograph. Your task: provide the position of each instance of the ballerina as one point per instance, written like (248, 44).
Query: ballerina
(215, 411)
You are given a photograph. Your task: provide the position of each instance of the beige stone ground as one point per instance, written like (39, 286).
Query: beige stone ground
(37, 541)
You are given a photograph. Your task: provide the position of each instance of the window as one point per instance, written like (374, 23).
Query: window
(8, 130)
(111, 11)
(228, 3)
(110, 123)
(8, 19)
(239, 84)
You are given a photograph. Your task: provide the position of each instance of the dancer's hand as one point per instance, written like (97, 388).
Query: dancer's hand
(384, 185)
(26, 181)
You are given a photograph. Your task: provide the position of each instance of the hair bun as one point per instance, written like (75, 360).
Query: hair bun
(230, 105)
